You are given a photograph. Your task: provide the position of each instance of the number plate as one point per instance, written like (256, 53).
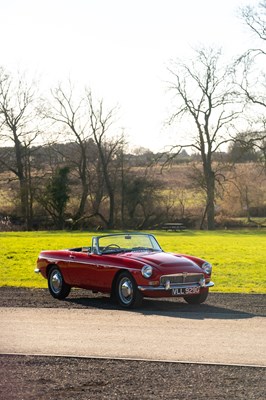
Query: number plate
(185, 291)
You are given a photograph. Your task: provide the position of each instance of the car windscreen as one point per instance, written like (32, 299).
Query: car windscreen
(119, 243)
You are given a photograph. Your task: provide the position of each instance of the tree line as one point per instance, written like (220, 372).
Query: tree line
(67, 158)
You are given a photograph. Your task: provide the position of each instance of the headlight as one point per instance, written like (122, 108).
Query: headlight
(207, 268)
(146, 271)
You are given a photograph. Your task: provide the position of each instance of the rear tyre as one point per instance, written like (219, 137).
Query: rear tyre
(126, 291)
(56, 284)
(197, 299)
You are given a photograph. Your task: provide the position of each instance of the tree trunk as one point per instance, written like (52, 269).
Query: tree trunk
(210, 201)
(111, 208)
(84, 182)
(23, 184)
(82, 204)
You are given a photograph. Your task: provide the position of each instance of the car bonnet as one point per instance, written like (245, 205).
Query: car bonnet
(162, 260)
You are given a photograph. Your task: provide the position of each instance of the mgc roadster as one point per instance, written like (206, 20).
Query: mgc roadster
(128, 267)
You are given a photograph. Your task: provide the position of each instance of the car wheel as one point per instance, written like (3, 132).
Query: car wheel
(56, 284)
(126, 291)
(197, 299)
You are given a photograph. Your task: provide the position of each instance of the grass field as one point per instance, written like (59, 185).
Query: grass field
(238, 257)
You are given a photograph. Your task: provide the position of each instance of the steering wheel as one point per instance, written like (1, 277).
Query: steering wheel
(110, 247)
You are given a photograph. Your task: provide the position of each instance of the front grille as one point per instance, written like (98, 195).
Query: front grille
(181, 279)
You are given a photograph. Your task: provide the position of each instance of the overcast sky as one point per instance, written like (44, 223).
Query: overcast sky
(119, 48)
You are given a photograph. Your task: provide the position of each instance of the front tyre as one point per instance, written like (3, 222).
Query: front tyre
(126, 291)
(197, 299)
(56, 284)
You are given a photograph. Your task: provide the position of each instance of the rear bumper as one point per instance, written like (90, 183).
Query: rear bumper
(166, 288)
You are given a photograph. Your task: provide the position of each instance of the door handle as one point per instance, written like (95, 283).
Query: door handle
(72, 256)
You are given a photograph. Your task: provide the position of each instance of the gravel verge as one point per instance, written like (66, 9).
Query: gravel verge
(40, 377)
(45, 378)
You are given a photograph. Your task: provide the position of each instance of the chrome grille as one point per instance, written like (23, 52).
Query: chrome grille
(183, 278)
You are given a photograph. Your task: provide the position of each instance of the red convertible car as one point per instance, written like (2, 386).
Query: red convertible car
(128, 267)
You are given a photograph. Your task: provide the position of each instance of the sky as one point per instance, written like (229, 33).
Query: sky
(121, 49)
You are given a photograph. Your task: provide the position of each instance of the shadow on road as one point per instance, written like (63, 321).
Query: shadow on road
(218, 305)
(176, 308)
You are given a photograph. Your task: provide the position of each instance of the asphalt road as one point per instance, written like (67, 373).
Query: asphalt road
(170, 336)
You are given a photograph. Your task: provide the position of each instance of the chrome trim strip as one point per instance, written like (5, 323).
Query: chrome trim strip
(69, 259)
(182, 273)
(154, 288)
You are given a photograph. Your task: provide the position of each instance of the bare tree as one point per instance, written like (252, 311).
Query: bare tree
(250, 73)
(86, 121)
(206, 96)
(67, 111)
(18, 120)
(255, 19)
(108, 152)
(245, 189)
(253, 76)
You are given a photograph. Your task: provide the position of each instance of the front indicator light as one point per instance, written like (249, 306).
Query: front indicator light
(153, 283)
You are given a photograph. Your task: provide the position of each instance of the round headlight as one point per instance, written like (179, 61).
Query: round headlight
(207, 268)
(146, 271)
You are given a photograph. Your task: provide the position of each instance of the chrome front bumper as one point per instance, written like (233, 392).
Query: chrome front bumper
(165, 287)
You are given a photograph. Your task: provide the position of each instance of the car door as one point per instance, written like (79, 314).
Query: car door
(82, 269)
(91, 271)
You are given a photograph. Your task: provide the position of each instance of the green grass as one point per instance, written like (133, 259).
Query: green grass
(238, 257)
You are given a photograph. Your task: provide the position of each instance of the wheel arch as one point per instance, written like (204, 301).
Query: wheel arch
(119, 272)
(49, 267)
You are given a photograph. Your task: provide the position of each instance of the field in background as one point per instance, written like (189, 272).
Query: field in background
(238, 257)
